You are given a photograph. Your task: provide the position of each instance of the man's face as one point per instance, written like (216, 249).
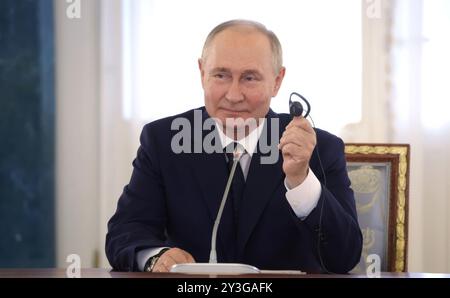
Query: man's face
(238, 75)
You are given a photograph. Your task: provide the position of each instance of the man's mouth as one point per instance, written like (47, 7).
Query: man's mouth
(232, 111)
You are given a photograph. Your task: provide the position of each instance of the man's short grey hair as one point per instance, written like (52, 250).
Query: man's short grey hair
(277, 53)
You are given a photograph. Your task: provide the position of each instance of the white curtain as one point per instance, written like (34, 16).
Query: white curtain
(419, 115)
(119, 136)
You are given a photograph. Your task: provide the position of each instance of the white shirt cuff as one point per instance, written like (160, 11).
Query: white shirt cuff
(145, 254)
(303, 198)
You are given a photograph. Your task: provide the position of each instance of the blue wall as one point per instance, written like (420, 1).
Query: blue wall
(27, 105)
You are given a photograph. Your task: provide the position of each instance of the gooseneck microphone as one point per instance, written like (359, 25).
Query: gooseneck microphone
(213, 254)
(213, 267)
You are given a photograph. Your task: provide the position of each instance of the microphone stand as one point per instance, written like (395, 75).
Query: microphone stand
(213, 267)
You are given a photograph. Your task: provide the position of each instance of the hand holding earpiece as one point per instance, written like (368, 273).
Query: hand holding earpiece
(296, 145)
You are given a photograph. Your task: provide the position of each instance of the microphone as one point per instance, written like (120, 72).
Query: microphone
(213, 267)
(213, 254)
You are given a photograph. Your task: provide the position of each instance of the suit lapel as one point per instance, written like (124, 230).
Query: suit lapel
(211, 173)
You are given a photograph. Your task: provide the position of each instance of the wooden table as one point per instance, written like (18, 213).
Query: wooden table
(107, 273)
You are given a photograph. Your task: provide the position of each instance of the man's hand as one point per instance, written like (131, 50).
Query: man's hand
(171, 257)
(296, 145)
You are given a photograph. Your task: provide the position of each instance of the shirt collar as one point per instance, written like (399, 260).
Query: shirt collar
(249, 142)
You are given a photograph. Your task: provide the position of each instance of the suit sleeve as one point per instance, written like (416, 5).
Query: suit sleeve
(334, 221)
(140, 219)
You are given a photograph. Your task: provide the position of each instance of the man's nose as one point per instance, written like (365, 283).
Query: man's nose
(234, 93)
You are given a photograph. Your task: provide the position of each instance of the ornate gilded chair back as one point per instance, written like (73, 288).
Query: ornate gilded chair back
(379, 175)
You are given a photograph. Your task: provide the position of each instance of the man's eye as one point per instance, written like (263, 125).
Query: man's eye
(219, 75)
(249, 78)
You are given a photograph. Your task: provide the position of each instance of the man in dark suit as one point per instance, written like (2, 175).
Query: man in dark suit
(296, 212)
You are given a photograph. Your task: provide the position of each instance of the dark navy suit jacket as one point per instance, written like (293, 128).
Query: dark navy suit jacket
(173, 199)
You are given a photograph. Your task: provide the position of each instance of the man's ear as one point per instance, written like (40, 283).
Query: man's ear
(202, 71)
(278, 80)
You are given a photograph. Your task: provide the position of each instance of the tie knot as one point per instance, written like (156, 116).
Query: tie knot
(234, 150)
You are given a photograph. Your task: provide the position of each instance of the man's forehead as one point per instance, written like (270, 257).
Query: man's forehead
(238, 63)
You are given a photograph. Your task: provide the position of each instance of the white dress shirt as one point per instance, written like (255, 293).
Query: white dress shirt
(303, 198)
